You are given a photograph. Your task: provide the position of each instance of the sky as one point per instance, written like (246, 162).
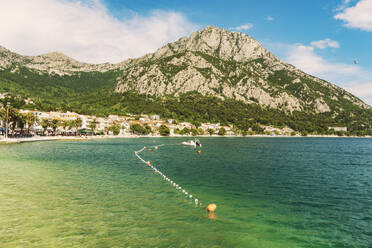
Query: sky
(329, 39)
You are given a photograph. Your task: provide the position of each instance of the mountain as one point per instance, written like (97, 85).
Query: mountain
(226, 64)
(206, 76)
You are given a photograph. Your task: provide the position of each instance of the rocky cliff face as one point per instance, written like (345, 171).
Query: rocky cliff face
(216, 42)
(212, 61)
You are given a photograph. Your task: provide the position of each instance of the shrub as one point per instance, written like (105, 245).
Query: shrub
(115, 129)
(222, 131)
(210, 131)
(164, 130)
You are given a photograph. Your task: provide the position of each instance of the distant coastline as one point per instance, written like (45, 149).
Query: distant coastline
(82, 138)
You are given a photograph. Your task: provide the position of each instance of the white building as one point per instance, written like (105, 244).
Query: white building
(338, 128)
(206, 126)
(155, 117)
(113, 117)
(186, 124)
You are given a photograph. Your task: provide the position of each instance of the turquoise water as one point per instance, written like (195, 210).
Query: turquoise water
(270, 192)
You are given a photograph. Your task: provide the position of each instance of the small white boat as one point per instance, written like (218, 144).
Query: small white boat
(193, 143)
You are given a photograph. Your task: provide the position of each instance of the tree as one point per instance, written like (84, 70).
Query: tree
(31, 119)
(185, 130)
(210, 131)
(71, 124)
(138, 129)
(197, 124)
(13, 119)
(115, 129)
(194, 132)
(148, 129)
(78, 123)
(93, 125)
(20, 121)
(45, 123)
(64, 124)
(222, 131)
(164, 130)
(54, 125)
(2, 114)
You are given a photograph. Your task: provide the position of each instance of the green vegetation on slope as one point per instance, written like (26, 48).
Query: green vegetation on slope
(80, 92)
(92, 93)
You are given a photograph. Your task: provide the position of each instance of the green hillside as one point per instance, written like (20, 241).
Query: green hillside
(92, 93)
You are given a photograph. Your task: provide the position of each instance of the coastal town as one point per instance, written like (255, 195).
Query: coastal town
(30, 123)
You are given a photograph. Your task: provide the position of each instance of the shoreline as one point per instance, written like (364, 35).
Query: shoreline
(79, 138)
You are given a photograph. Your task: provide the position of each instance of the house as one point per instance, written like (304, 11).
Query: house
(42, 115)
(113, 117)
(155, 117)
(125, 127)
(186, 124)
(68, 116)
(337, 129)
(206, 126)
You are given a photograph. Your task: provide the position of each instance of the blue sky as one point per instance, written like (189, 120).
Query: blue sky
(322, 38)
(292, 21)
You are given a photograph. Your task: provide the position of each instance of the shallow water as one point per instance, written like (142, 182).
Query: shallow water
(270, 192)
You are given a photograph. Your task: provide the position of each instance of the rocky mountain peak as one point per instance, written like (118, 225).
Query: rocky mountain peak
(215, 61)
(57, 56)
(216, 42)
(51, 63)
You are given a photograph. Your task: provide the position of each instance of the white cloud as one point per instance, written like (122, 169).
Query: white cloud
(243, 27)
(307, 60)
(323, 44)
(85, 30)
(269, 18)
(358, 16)
(364, 89)
(352, 77)
(344, 4)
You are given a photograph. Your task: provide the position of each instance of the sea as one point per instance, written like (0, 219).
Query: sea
(269, 192)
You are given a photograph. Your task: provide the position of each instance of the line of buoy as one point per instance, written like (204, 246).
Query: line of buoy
(172, 183)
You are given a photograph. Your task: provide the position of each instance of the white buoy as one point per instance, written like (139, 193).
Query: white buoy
(165, 177)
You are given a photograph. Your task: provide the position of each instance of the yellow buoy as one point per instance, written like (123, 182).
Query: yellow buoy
(148, 163)
(149, 150)
(212, 216)
(211, 207)
(199, 152)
